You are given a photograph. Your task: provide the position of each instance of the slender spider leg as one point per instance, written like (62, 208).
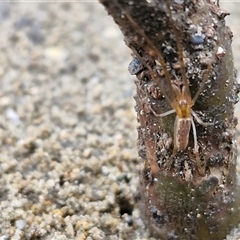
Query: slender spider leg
(199, 120)
(200, 169)
(153, 75)
(205, 78)
(159, 55)
(180, 53)
(179, 49)
(196, 147)
(162, 114)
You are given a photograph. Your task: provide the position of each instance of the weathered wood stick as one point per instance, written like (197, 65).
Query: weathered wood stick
(186, 91)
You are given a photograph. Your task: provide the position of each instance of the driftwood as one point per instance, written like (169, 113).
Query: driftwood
(188, 192)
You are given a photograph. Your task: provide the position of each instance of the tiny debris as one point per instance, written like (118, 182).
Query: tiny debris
(135, 66)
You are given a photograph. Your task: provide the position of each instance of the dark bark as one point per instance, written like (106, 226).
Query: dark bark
(184, 195)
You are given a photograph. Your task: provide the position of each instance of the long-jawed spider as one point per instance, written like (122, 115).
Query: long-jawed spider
(180, 97)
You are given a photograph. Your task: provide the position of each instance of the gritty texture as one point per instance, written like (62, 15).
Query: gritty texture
(68, 159)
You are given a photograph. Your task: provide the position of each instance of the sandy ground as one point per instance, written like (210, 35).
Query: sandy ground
(67, 124)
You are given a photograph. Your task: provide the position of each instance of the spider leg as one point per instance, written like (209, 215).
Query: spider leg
(162, 114)
(200, 169)
(199, 120)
